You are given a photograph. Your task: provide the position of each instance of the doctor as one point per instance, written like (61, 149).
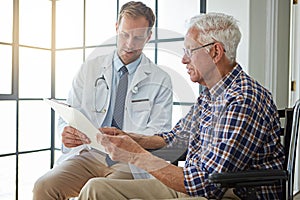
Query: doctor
(147, 107)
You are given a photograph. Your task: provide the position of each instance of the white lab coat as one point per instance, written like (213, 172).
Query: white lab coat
(148, 105)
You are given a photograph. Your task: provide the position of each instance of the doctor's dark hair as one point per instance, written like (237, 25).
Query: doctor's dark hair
(137, 9)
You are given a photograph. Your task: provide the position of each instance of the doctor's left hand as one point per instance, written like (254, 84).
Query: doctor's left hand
(112, 131)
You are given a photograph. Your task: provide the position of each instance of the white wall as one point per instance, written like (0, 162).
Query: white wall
(239, 10)
(295, 51)
(263, 51)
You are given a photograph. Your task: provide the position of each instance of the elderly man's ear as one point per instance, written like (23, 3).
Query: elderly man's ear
(217, 52)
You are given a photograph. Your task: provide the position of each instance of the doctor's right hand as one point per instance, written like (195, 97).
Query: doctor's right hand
(72, 137)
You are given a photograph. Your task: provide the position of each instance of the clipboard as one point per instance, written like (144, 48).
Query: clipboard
(77, 120)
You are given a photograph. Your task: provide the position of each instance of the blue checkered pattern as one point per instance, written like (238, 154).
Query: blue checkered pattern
(233, 126)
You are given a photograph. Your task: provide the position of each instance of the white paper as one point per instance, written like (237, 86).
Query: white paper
(77, 120)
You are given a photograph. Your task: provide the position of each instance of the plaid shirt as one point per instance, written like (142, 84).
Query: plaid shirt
(233, 126)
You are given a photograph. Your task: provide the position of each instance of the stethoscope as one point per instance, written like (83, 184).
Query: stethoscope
(101, 82)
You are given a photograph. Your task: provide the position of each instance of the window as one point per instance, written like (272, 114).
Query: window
(6, 69)
(6, 24)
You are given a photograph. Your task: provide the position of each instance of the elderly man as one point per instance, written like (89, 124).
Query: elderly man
(233, 126)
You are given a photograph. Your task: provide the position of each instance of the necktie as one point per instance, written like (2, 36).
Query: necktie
(120, 99)
(118, 115)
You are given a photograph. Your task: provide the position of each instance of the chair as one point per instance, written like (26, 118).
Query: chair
(176, 152)
(255, 178)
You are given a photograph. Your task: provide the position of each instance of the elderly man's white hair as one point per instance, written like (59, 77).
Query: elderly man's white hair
(218, 27)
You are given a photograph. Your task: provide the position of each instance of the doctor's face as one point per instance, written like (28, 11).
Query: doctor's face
(132, 36)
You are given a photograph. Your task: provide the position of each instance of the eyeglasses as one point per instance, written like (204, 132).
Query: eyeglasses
(189, 52)
(137, 39)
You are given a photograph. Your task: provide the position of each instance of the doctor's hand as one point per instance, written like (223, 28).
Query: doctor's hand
(72, 137)
(121, 147)
(112, 131)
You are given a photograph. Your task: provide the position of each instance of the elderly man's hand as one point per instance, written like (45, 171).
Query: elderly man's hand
(120, 146)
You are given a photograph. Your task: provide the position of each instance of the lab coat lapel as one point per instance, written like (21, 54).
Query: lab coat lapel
(142, 72)
(107, 71)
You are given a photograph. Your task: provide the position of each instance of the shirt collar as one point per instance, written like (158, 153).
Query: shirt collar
(117, 63)
(220, 87)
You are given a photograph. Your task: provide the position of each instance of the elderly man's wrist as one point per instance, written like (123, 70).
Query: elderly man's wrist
(148, 162)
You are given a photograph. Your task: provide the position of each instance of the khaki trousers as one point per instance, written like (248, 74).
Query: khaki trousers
(66, 180)
(146, 189)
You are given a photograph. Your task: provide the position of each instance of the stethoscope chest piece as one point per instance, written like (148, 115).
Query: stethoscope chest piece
(103, 110)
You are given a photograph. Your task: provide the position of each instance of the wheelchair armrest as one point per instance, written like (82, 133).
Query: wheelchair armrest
(250, 178)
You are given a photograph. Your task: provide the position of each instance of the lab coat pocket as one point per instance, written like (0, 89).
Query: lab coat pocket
(141, 111)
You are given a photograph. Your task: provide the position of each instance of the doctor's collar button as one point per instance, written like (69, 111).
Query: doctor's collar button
(103, 110)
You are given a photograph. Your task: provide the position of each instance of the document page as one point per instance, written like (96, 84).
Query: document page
(77, 120)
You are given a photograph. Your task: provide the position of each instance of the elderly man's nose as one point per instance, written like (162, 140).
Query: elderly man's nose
(185, 59)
